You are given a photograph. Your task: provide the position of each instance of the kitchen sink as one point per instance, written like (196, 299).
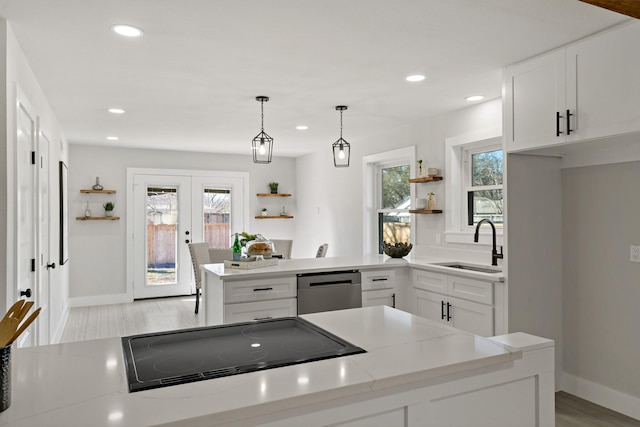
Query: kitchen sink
(470, 267)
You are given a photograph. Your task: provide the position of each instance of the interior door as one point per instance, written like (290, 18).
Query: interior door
(44, 265)
(26, 198)
(162, 231)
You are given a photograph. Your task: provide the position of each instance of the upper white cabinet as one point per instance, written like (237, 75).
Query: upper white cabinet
(534, 100)
(585, 91)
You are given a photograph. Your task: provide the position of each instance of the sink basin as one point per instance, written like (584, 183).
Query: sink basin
(470, 267)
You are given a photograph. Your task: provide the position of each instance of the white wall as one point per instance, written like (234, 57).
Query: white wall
(331, 199)
(97, 248)
(20, 77)
(601, 287)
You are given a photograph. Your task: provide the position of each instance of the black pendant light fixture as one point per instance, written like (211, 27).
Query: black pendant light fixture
(262, 144)
(341, 148)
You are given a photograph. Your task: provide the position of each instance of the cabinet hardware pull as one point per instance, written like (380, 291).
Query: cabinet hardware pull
(263, 318)
(262, 289)
(384, 279)
(393, 300)
(558, 117)
(448, 312)
(442, 310)
(569, 122)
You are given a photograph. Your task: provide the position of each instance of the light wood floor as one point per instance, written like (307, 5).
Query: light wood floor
(153, 315)
(139, 317)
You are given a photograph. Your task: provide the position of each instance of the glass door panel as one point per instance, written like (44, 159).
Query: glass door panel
(216, 216)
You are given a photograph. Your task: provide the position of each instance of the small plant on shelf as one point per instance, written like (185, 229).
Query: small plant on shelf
(431, 202)
(264, 212)
(108, 208)
(274, 187)
(420, 170)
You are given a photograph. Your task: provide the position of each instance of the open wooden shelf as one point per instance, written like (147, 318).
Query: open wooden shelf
(425, 211)
(273, 195)
(274, 217)
(98, 218)
(99, 191)
(425, 179)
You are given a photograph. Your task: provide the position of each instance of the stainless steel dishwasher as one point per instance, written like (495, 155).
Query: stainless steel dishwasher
(335, 290)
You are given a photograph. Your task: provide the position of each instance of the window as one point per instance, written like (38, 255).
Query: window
(394, 221)
(474, 184)
(483, 185)
(387, 198)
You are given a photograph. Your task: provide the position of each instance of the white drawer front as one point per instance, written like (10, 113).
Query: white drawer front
(379, 297)
(471, 289)
(381, 279)
(247, 311)
(430, 281)
(259, 289)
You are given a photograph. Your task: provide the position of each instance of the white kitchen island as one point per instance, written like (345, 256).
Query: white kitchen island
(415, 373)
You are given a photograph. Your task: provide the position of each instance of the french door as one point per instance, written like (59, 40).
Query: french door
(172, 210)
(162, 232)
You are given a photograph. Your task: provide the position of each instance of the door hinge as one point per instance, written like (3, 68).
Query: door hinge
(33, 157)
(33, 264)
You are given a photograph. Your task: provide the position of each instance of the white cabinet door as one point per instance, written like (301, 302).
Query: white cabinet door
(380, 297)
(431, 305)
(603, 84)
(534, 97)
(470, 289)
(470, 316)
(244, 312)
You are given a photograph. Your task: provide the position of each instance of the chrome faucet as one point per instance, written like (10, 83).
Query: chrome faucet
(494, 252)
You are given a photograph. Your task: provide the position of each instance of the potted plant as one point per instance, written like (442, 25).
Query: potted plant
(274, 187)
(108, 208)
(420, 170)
(264, 212)
(431, 202)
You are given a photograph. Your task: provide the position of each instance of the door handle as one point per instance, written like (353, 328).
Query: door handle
(393, 300)
(448, 312)
(52, 265)
(26, 293)
(186, 241)
(569, 122)
(442, 310)
(558, 117)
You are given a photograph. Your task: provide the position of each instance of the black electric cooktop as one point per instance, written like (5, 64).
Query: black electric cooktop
(176, 357)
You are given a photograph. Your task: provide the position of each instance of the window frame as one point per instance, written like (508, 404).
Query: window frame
(405, 155)
(457, 229)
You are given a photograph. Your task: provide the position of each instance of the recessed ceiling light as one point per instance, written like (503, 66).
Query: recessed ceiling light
(474, 98)
(116, 110)
(127, 30)
(302, 127)
(112, 138)
(415, 78)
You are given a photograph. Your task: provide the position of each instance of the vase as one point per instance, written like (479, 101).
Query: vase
(274, 191)
(97, 186)
(431, 204)
(420, 171)
(108, 213)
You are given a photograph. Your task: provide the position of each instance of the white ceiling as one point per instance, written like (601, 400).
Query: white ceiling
(190, 82)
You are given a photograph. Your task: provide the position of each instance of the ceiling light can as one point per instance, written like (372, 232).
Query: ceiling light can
(127, 30)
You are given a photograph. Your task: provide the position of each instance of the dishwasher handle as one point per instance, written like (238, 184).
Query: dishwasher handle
(333, 282)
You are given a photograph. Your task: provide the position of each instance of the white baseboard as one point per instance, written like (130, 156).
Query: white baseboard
(100, 300)
(601, 395)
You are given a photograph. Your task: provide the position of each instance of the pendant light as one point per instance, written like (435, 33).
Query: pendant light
(262, 144)
(341, 148)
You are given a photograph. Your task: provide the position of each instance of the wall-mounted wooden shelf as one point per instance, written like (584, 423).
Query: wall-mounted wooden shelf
(425, 211)
(425, 179)
(274, 217)
(98, 218)
(99, 191)
(273, 195)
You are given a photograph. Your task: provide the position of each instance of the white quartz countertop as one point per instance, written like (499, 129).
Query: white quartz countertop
(84, 383)
(365, 262)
